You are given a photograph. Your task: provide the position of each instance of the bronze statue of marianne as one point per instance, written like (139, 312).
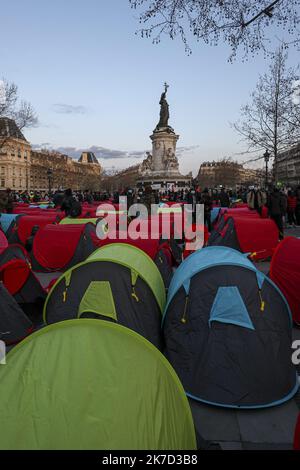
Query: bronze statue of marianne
(164, 109)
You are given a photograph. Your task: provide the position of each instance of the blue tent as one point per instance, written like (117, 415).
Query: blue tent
(6, 220)
(227, 329)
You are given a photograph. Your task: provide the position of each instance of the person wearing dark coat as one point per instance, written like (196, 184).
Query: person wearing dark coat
(207, 201)
(71, 207)
(224, 198)
(276, 206)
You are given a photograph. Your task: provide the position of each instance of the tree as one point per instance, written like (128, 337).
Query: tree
(270, 121)
(11, 107)
(238, 23)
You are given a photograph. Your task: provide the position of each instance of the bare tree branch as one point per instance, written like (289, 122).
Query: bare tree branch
(238, 23)
(271, 121)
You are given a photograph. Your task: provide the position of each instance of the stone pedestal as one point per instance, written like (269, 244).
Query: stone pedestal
(162, 168)
(163, 149)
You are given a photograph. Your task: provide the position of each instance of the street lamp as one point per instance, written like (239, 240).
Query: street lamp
(267, 158)
(49, 175)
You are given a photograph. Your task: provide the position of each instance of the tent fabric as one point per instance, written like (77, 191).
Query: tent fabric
(72, 221)
(285, 272)
(249, 235)
(3, 242)
(6, 220)
(230, 347)
(17, 276)
(202, 259)
(14, 324)
(229, 307)
(138, 262)
(90, 301)
(128, 299)
(82, 385)
(14, 275)
(58, 247)
(25, 224)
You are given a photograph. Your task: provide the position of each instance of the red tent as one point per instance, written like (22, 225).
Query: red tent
(58, 247)
(17, 276)
(248, 235)
(24, 225)
(3, 241)
(285, 272)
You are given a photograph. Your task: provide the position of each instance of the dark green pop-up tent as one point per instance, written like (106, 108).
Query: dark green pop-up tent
(90, 384)
(119, 283)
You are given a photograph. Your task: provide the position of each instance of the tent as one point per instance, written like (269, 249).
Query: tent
(77, 221)
(23, 228)
(3, 241)
(256, 236)
(59, 247)
(119, 283)
(81, 385)
(159, 251)
(14, 324)
(285, 272)
(17, 276)
(7, 221)
(228, 332)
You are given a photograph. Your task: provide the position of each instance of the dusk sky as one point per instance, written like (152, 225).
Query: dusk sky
(94, 83)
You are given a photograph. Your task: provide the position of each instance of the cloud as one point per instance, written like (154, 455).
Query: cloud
(100, 152)
(107, 154)
(63, 108)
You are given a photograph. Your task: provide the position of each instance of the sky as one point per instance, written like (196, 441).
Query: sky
(96, 85)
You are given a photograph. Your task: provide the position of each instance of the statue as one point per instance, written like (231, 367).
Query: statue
(164, 109)
(170, 160)
(146, 165)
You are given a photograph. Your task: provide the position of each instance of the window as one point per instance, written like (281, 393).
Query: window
(25, 154)
(14, 183)
(3, 170)
(12, 152)
(19, 153)
(13, 171)
(2, 183)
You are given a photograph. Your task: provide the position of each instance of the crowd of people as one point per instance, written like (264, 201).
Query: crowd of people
(282, 204)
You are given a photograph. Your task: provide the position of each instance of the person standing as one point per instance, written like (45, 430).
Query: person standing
(223, 198)
(276, 210)
(207, 201)
(291, 208)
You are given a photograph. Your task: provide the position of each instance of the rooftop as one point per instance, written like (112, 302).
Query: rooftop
(9, 128)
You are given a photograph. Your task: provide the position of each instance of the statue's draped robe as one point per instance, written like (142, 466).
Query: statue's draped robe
(164, 112)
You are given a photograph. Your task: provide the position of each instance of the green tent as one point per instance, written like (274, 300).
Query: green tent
(73, 221)
(88, 384)
(119, 283)
(140, 264)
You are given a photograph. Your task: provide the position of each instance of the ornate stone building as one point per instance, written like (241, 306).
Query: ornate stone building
(227, 173)
(22, 168)
(287, 166)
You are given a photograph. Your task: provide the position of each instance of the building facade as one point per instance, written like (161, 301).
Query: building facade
(287, 166)
(228, 173)
(24, 169)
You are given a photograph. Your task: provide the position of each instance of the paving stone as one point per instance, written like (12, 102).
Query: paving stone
(272, 425)
(252, 446)
(215, 424)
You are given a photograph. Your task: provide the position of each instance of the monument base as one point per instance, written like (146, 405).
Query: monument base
(164, 183)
